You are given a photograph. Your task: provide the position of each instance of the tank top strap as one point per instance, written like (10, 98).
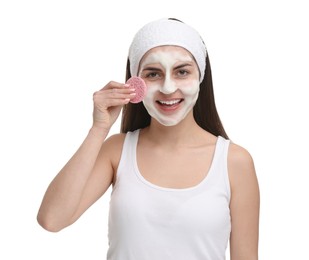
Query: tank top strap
(219, 165)
(128, 153)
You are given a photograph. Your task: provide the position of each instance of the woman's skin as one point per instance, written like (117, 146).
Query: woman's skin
(172, 78)
(165, 151)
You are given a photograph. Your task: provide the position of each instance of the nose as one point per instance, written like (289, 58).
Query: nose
(169, 86)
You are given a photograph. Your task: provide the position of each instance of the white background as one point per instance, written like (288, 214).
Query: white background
(55, 54)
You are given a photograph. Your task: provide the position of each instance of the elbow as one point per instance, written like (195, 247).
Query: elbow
(48, 224)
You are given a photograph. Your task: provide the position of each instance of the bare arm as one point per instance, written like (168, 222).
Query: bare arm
(90, 171)
(244, 205)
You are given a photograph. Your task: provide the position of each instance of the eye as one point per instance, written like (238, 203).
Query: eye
(152, 75)
(182, 73)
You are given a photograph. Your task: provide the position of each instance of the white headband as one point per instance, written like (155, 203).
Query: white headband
(167, 32)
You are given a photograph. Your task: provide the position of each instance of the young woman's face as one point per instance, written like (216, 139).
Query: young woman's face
(172, 78)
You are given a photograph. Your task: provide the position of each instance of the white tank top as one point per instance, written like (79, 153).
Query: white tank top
(148, 222)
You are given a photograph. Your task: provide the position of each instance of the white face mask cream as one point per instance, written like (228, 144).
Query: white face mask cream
(172, 78)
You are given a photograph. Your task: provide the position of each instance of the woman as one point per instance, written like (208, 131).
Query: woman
(181, 189)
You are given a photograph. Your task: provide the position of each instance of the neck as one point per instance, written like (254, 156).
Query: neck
(186, 132)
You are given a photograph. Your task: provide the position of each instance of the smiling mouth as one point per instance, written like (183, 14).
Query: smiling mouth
(169, 103)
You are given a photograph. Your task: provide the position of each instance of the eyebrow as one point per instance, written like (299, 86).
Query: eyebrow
(151, 68)
(182, 65)
(176, 68)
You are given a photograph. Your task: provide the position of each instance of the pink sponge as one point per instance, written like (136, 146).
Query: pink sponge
(140, 88)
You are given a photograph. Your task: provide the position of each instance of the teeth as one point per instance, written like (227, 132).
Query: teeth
(169, 102)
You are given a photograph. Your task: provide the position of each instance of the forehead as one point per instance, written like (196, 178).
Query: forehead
(175, 52)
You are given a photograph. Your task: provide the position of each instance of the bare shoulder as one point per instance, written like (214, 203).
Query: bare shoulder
(238, 156)
(115, 141)
(240, 166)
(112, 149)
(112, 146)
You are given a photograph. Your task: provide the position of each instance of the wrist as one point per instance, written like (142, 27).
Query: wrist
(98, 132)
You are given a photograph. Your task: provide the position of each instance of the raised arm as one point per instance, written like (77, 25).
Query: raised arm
(89, 173)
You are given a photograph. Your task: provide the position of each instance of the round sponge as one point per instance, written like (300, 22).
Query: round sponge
(140, 88)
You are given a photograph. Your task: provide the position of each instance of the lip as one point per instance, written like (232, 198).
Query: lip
(169, 105)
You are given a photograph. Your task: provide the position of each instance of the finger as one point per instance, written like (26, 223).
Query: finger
(113, 103)
(114, 94)
(111, 98)
(114, 84)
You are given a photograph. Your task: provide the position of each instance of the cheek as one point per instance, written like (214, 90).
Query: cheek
(151, 90)
(191, 88)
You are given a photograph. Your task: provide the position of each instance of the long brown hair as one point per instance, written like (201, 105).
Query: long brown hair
(135, 116)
